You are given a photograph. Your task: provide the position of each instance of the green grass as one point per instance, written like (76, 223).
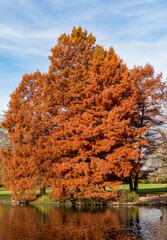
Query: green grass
(48, 190)
(143, 189)
(4, 191)
(148, 188)
(5, 194)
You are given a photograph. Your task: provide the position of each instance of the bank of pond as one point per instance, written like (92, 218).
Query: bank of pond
(148, 194)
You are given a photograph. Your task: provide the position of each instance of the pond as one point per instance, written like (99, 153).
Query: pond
(91, 223)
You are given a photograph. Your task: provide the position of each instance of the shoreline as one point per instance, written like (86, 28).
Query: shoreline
(142, 201)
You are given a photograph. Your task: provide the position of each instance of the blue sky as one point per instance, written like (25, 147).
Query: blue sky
(136, 29)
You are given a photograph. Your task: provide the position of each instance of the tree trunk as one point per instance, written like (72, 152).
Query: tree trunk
(131, 183)
(43, 190)
(136, 183)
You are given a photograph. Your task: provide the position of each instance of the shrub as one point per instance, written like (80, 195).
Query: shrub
(43, 198)
(132, 197)
(163, 180)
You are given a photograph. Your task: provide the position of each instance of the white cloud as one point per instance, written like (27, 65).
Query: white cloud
(3, 47)
(9, 33)
(29, 29)
(140, 53)
(3, 104)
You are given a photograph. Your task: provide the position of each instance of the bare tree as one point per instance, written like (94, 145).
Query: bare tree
(158, 155)
(4, 142)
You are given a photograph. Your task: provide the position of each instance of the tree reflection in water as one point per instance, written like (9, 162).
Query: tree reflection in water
(45, 223)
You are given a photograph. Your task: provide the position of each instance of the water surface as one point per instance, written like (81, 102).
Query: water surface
(46, 223)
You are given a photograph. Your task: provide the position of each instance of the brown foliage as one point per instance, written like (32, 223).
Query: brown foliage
(78, 127)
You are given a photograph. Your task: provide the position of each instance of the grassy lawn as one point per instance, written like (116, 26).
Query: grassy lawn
(48, 190)
(4, 191)
(5, 194)
(143, 189)
(148, 188)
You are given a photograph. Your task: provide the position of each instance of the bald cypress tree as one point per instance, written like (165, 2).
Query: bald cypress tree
(80, 127)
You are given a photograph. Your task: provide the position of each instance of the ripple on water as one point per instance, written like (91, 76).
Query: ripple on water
(49, 223)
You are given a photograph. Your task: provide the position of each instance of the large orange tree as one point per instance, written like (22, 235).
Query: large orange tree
(95, 142)
(24, 163)
(77, 128)
(30, 119)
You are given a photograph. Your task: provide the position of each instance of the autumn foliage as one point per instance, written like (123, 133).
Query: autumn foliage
(80, 127)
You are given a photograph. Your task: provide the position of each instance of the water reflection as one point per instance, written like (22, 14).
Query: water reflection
(45, 223)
